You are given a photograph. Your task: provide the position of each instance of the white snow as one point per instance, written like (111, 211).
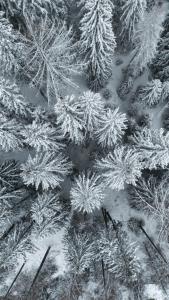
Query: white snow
(153, 291)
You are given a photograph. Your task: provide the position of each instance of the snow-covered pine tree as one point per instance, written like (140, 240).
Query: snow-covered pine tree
(45, 170)
(153, 146)
(97, 41)
(79, 249)
(147, 37)
(10, 47)
(120, 257)
(111, 127)
(165, 91)
(10, 134)
(152, 93)
(9, 174)
(50, 57)
(160, 272)
(47, 214)
(87, 192)
(11, 98)
(70, 118)
(123, 166)
(92, 106)
(160, 65)
(151, 196)
(5, 211)
(132, 11)
(37, 8)
(15, 246)
(142, 195)
(42, 136)
(7, 200)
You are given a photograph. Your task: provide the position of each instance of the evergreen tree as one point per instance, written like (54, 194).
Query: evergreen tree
(15, 246)
(9, 174)
(5, 211)
(111, 127)
(47, 214)
(50, 57)
(42, 137)
(38, 8)
(92, 106)
(160, 273)
(87, 193)
(10, 47)
(120, 167)
(45, 169)
(120, 257)
(152, 93)
(10, 134)
(165, 91)
(147, 38)
(132, 11)
(153, 146)
(142, 195)
(70, 118)
(79, 251)
(11, 98)
(151, 196)
(97, 41)
(160, 64)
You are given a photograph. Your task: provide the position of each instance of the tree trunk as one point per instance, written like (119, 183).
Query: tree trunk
(39, 269)
(16, 277)
(151, 260)
(104, 213)
(104, 279)
(152, 243)
(146, 234)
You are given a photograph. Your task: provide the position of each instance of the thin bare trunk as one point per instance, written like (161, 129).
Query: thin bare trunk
(16, 277)
(39, 269)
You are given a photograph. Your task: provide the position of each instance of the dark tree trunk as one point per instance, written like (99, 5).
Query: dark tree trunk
(154, 267)
(105, 217)
(152, 243)
(39, 269)
(104, 279)
(16, 277)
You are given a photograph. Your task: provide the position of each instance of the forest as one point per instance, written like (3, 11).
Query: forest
(84, 150)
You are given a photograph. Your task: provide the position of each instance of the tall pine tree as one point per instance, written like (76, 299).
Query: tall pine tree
(97, 41)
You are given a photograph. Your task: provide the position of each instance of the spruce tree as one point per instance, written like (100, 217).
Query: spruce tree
(153, 146)
(42, 136)
(45, 170)
(47, 214)
(97, 41)
(132, 11)
(70, 118)
(50, 57)
(92, 106)
(160, 64)
(111, 127)
(152, 93)
(10, 47)
(120, 257)
(12, 100)
(123, 166)
(147, 37)
(87, 193)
